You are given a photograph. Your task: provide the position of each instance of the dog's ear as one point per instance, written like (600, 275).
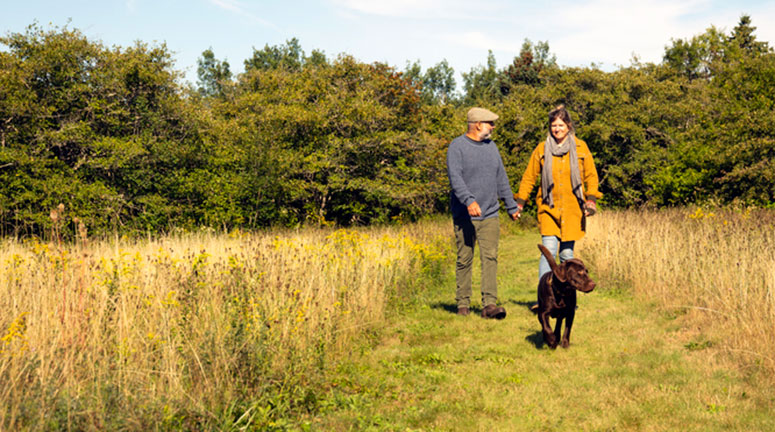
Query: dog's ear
(549, 258)
(558, 271)
(561, 272)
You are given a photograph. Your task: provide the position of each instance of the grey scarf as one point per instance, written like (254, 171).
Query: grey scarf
(547, 183)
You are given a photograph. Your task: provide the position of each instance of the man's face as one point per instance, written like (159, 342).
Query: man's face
(485, 130)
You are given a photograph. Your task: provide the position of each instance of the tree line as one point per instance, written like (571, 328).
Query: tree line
(117, 136)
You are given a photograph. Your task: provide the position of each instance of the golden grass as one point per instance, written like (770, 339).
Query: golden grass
(717, 268)
(191, 332)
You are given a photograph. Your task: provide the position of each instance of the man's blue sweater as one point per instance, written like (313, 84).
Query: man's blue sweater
(476, 173)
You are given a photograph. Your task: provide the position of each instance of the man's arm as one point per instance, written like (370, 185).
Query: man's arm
(456, 182)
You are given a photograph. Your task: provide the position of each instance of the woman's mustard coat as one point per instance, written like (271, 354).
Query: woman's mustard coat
(566, 219)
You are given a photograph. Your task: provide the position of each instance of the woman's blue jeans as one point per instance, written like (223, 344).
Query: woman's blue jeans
(553, 243)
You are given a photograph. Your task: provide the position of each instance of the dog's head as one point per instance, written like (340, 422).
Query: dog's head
(574, 273)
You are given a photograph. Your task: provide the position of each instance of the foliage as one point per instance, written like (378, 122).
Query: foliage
(289, 56)
(333, 143)
(294, 139)
(436, 86)
(212, 73)
(104, 130)
(482, 84)
(526, 68)
(303, 139)
(439, 83)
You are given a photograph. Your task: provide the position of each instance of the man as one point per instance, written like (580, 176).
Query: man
(478, 179)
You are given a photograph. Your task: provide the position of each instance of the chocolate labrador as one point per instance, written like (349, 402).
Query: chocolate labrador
(557, 296)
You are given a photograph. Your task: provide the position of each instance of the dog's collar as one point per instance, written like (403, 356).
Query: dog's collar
(555, 290)
(559, 296)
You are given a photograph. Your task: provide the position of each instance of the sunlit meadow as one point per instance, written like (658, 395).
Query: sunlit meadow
(713, 269)
(195, 331)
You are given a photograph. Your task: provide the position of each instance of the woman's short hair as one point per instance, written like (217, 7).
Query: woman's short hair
(563, 114)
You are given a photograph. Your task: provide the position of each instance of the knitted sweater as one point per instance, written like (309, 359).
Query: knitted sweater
(476, 173)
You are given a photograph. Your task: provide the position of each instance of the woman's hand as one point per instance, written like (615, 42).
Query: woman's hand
(590, 208)
(517, 214)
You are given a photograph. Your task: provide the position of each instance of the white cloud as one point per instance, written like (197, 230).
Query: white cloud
(229, 5)
(482, 41)
(605, 32)
(421, 9)
(238, 8)
(396, 8)
(611, 32)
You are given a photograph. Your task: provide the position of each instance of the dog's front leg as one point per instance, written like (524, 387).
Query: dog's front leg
(546, 329)
(558, 329)
(568, 324)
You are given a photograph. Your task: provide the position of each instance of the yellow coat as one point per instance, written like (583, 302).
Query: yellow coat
(565, 220)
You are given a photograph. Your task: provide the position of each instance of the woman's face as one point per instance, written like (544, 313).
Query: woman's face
(559, 129)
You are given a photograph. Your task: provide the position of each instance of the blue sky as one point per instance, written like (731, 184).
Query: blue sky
(582, 32)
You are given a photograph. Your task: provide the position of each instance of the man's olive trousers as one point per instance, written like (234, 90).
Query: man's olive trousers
(485, 233)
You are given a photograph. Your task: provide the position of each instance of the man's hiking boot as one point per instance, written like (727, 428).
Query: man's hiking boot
(492, 311)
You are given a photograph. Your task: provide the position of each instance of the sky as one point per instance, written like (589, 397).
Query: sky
(606, 33)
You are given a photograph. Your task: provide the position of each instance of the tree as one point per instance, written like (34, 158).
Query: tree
(316, 59)
(744, 107)
(743, 38)
(212, 73)
(104, 131)
(339, 143)
(439, 83)
(289, 57)
(527, 67)
(698, 57)
(482, 83)
(413, 73)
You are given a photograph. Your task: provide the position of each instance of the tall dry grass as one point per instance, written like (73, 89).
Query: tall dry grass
(717, 267)
(192, 332)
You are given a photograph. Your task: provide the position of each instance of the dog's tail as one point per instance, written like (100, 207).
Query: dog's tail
(552, 263)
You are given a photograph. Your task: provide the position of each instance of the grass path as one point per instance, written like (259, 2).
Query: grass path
(629, 367)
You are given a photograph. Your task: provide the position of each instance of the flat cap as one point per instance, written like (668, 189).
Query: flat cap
(477, 114)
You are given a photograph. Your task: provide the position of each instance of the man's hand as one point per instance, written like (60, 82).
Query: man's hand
(474, 210)
(517, 214)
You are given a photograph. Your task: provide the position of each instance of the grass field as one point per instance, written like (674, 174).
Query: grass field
(192, 332)
(356, 330)
(713, 270)
(633, 365)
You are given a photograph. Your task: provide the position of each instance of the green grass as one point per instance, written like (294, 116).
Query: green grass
(629, 367)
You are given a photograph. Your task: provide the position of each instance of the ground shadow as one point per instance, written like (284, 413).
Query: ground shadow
(526, 304)
(452, 307)
(537, 339)
(447, 306)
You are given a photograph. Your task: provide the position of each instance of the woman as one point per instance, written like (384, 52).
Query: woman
(568, 192)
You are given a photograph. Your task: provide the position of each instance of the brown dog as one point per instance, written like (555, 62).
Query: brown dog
(557, 296)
